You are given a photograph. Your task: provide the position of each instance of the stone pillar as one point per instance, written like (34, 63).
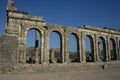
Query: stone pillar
(80, 51)
(36, 49)
(106, 53)
(108, 57)
(66, 50)
(117, 48)
(63, 54)
(42, 48)
(97, 49)
(24, 54)
(36, 55)
(94, 50)
(46, 47)
(83, 48)
(52, 56)
(21, 59)
(23, 50)
(22, 45)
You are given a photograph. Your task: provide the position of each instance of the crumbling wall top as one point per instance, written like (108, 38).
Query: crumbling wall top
(10, 5)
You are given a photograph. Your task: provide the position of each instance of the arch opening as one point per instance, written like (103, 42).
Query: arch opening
(33, 46)
(102, 49)
(89, 48)
(73, 48)
(55, 49)
(113, 49)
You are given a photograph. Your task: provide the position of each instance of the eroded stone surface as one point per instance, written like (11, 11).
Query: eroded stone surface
(13, 42)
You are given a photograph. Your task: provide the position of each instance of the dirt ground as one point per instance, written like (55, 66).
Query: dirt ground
(111, 74)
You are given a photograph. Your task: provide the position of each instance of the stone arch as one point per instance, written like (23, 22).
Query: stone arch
(90, 57)
(73, 32)
(113, 54)
(33, 27)
(60, 31)
(76, 34)
(39, 56)
(102, 52)
(77, 55)
(61, 36)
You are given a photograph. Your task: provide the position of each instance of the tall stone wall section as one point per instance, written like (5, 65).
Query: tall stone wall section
(8, 50)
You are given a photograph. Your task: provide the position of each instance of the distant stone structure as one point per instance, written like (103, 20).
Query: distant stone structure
(18, 23)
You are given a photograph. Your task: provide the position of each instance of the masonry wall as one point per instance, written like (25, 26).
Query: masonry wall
(8, 50)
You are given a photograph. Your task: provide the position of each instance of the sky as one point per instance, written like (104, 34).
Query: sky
(99, 13)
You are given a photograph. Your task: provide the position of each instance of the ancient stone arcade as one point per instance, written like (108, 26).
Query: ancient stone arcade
(18, 23)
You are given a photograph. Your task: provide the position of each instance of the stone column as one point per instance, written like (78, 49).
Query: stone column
(99, 52)
(80, 51)
(62, 47)
(36, 55)
(66, 50)
(52, 56)
(94, 50)
(97, 49)
(108, 57)
(42, 48)
(117, 48)
(83, 48)
(105, 49)
(36, 49)
(46, 47)
(22, 45)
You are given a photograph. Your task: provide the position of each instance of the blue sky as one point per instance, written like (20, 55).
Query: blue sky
(100, 13)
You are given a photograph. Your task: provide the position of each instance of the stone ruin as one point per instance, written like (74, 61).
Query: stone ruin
(18, 23)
